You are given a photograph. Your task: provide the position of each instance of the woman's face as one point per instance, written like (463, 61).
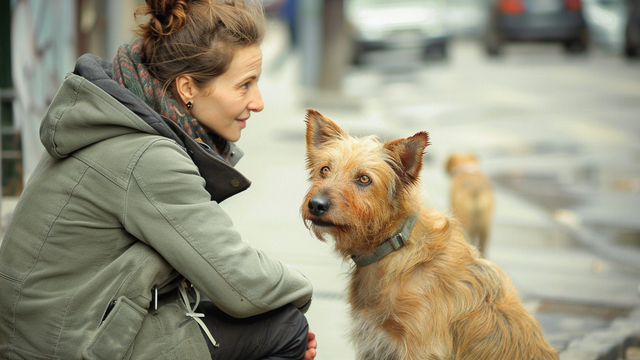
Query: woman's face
(225, 105)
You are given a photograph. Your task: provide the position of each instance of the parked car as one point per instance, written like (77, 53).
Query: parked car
(607, 20)
(466, 18)
(382, 24)
(632, 30)
(536, 20)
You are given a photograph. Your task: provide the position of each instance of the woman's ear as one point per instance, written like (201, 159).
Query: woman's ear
(185, 88)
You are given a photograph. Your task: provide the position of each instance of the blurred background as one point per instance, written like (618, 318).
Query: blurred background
(545, 92)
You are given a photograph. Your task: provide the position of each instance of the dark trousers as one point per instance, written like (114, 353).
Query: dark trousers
(278, 334)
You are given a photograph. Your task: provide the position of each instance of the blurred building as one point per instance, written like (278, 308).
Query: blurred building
(41, 40)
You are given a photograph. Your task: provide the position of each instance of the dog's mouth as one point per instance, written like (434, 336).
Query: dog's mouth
(321, 223)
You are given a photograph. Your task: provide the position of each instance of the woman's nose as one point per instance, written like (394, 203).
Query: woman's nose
(256, 104)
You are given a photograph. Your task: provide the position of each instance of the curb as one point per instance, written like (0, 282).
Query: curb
(608, 344)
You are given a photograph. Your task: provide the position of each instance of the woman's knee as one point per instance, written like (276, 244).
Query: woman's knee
(291, 330)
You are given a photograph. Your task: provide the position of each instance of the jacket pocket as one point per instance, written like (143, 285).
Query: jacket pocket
(114, 338)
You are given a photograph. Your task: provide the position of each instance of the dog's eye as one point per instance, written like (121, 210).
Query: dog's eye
(324, 171)
(364, 180)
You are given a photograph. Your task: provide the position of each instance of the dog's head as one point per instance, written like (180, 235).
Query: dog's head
(459, 159)
(361, 188)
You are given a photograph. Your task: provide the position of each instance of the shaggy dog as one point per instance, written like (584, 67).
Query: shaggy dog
(418, 290)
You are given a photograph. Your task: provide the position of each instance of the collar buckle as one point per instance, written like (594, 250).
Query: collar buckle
(397, 241)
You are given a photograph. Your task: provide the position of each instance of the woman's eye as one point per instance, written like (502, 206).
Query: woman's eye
(324, 171)
(245, 86)
(364, 180)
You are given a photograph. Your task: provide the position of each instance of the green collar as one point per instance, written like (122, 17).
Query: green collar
(393, 243)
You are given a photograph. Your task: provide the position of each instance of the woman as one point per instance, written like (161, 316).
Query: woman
(119, 230)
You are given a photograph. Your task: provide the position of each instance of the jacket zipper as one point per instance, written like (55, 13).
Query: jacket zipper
(110, 307)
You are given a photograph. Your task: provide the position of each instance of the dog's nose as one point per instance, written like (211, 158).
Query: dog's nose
(318, 205)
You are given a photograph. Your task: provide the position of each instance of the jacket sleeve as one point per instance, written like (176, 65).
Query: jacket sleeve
(168, 208)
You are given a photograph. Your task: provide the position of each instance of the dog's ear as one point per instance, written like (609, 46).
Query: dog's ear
(409, 152)
(451, 163)
(320, 129)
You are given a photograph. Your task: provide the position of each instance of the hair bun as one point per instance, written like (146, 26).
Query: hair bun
(167, 16)
(164, 19)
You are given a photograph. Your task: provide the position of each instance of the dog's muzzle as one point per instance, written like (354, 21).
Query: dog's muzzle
(319, 204)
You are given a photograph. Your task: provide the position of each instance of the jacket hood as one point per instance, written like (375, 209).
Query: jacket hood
(90, 107)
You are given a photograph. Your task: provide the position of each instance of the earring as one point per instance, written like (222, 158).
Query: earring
(189, 105)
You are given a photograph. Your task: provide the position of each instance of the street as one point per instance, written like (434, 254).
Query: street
(557, 134)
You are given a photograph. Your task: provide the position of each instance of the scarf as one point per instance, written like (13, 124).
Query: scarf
(129, 72)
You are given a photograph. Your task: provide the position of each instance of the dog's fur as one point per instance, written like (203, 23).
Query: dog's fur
(471, 198)
(434, 298)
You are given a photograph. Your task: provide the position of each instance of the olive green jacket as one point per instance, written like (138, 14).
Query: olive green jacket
(123, 201)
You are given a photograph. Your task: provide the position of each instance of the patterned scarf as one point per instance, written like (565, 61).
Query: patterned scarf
(130, 73)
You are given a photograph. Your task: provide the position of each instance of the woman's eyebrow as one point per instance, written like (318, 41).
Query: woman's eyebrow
(248, 78)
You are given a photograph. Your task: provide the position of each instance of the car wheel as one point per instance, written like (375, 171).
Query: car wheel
(435, 52)
(357, 56)
(492, 43)
(492, 38)
(631, 47)
(577, 45)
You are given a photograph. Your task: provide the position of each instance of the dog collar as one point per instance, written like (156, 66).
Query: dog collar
(393, 243)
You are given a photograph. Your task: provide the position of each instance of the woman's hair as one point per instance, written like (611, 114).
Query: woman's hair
(198, 38)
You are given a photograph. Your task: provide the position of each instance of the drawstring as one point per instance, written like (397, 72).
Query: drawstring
(191, 311)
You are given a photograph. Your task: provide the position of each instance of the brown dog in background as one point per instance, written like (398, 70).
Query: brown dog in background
(471, 198)
(418, 290)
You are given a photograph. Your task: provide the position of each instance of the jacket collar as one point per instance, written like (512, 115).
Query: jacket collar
(222, 179)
